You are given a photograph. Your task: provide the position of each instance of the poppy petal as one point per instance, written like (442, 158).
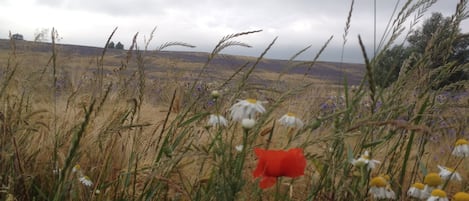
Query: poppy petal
(260, 164)
(267, 182)
(294, 163)
(276, 163)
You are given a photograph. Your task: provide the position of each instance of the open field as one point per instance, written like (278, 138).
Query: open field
(83, 123)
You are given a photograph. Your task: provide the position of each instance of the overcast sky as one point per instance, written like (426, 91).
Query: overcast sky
(297, 23)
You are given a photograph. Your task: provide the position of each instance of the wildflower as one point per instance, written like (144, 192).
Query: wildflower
(239, 148)
(432, 181)
(380, 188)
(417, 191)
(276, 163)
(461, 148)
(76, 168)
(438, 195)
(290, 120)
(246, 109)
(365, 160)
(85, 180)
(215, 120)
(449, 173)
(461, 196)
(248, 123)
(215, 94)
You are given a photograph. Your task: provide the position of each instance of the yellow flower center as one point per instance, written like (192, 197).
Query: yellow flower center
(291, 114)
(432, 179)
(77, 167)
(366, 156)
(251, 100)
(461, 142)
(438, 193)
(461, 196)
(387, 177)
(418, 185)
(378, 182)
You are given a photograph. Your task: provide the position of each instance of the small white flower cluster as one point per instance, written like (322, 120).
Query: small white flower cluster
(447, 173)
(290, 120)
(432, 183)
(429, 190)
(365, 160)
(243, 111)
(461, 148)
(246, 110)
(431, 187)
(85, 180)
(380, 188)
(417, 191)
(438, 195)
(217, 120)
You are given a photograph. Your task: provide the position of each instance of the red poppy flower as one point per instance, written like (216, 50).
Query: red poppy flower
(276, 163)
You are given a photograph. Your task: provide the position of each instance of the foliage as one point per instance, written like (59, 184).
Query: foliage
(41, 35)
(388, 67)
(119, 46)
(110, 45)
(436, 32)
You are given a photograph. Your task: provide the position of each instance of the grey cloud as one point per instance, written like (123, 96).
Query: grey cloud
(203, 22)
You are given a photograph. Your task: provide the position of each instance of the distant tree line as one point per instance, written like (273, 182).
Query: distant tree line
(435, 32)
(118, 46)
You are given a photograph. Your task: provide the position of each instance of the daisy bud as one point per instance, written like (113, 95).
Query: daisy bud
(215, 94)
(248, 123)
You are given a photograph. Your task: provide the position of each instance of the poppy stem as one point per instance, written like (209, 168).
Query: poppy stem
(277, 189)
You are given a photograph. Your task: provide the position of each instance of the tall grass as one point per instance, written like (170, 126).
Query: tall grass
(137, 137)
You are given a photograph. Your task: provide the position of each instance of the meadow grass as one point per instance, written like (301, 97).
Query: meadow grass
(109, 120)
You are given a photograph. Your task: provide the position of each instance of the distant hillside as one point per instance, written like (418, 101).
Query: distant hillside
(328, 71)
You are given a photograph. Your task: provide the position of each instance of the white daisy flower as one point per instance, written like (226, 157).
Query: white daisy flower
(246, 109)
(290, 120)
(76, 168)
(215, 120)
(447, 173)
(417, 191)
(239, 148)
(380, 188)
(365, 160)
(432, 181)
(85, 180)
(438, 195)
(461, 148)
(248, 123)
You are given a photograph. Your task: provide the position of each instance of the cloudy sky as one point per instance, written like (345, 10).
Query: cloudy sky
(297, 23)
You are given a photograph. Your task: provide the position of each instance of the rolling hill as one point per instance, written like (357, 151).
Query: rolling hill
(331, 72)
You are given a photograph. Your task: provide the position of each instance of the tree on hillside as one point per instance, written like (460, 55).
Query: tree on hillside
(389, 65)
(110, 45)
(435, 32)
(41, 35)
(119, 46)
(461, 49)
